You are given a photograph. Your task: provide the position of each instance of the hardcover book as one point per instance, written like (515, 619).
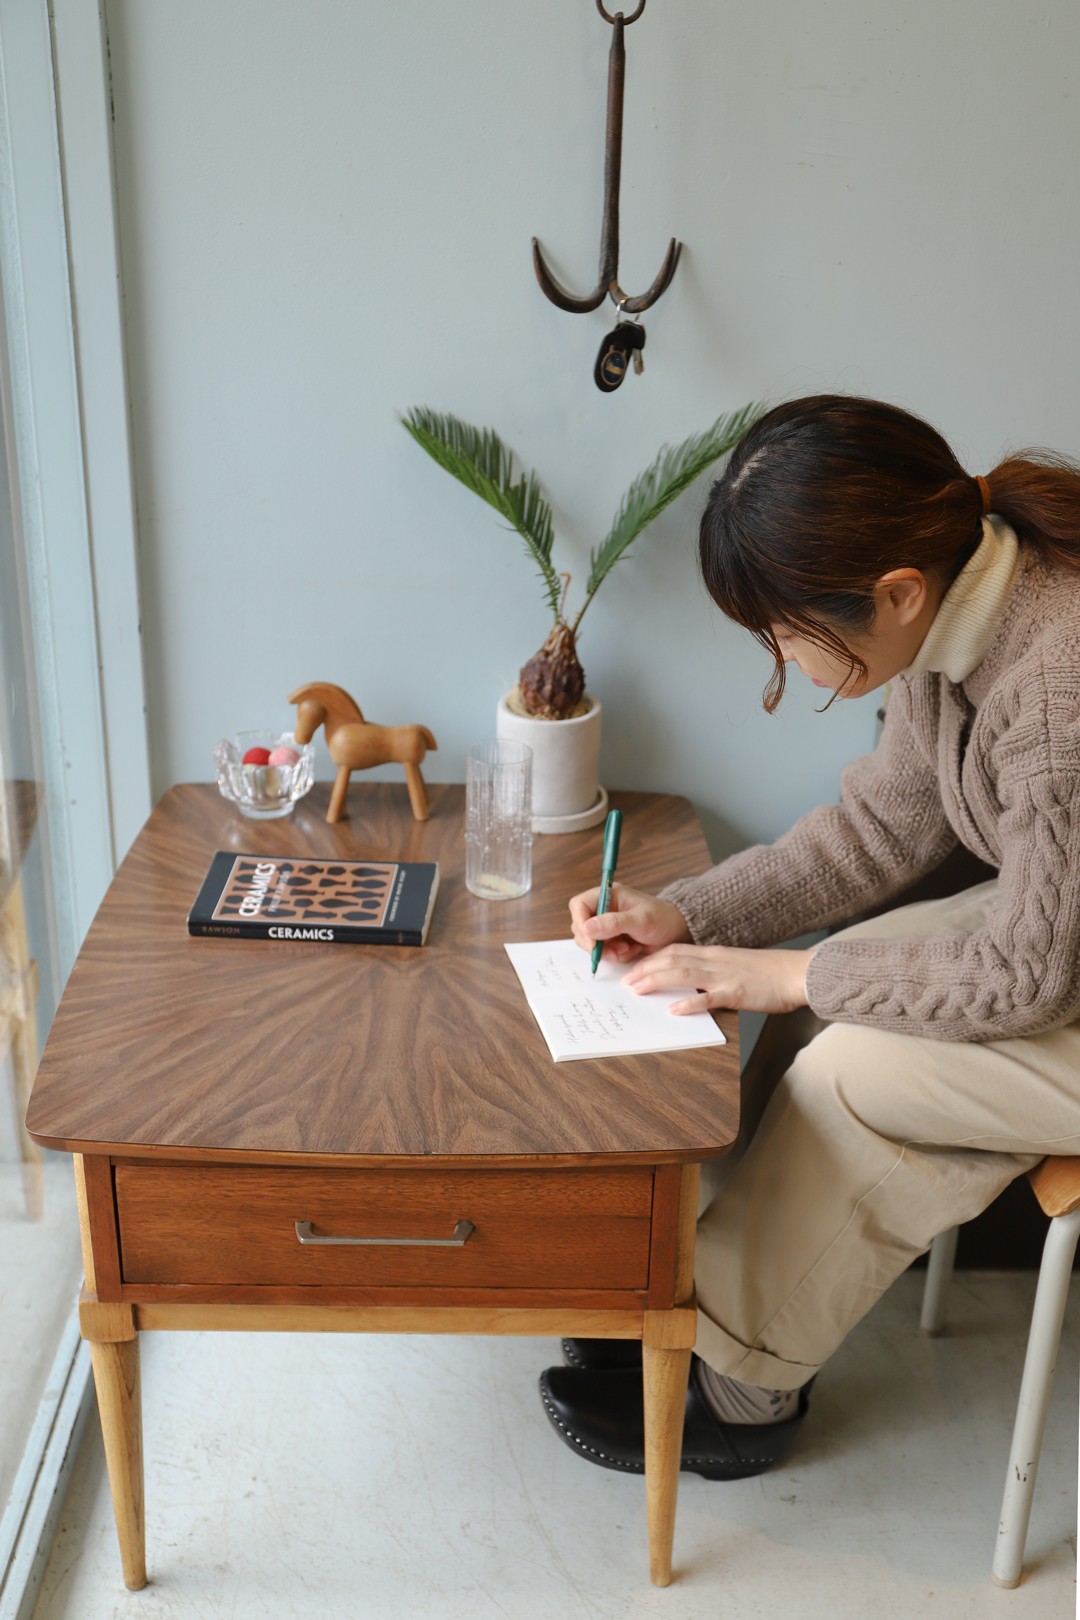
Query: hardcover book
(325, 901)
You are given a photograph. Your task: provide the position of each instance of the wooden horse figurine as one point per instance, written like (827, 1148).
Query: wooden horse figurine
(357, 745)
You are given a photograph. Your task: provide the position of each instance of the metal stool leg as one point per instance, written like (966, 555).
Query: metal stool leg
(1046, 1320)
(939, 1270)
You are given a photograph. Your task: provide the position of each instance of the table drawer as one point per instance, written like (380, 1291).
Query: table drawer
(226, 1224)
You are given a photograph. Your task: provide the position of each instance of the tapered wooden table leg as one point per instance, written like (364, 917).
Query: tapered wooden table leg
(666, 1374)
(116, 1377)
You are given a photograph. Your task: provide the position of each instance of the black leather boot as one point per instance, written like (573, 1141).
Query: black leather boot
(600, 1415)
(602, 1355)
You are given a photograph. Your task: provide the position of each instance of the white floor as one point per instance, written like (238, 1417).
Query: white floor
(336, 1477)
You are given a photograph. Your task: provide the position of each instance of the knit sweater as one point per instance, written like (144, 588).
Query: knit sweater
(990, 759)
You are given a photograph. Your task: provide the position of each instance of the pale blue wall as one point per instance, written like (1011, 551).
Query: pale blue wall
(325, 217)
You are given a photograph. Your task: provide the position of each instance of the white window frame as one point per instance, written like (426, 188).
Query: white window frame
(60, 261)
(66, 400)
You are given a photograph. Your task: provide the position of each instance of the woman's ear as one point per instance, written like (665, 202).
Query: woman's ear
(901, 595)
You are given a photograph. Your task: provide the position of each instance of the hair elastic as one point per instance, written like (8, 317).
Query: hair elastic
(984, 491)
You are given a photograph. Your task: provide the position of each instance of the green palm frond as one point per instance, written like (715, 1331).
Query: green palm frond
(483, 463)
(673, 471)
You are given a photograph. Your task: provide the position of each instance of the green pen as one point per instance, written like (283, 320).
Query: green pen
(607, 876)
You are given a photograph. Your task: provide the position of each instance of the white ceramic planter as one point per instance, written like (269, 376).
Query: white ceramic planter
(566, 761)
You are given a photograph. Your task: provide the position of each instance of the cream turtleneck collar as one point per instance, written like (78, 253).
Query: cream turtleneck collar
(966, 622)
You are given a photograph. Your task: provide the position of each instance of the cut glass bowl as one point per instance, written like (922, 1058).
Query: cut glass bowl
(263, 792)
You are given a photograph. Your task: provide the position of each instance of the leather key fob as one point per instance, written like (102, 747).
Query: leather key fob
(613, 361)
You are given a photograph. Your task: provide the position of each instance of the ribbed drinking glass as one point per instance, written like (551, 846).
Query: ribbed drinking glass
(498, 819)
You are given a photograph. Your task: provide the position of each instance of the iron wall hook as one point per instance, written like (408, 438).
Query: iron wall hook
(626, 20)
(608, 284)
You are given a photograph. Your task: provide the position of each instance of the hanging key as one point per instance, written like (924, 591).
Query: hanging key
(613, 361)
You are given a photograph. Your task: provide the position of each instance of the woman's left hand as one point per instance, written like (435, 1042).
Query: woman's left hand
(749, 981)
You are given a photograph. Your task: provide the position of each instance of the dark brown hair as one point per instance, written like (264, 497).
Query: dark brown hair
(826, 494)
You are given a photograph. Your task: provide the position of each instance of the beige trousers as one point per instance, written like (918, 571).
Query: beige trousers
(854, 1156)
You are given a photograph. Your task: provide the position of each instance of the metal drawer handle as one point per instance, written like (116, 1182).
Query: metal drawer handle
(463, 1231)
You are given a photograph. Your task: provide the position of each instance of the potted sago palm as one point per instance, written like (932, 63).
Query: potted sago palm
(549, 708)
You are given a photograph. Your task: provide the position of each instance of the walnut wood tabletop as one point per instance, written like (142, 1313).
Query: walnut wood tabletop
(352, 1138)
(167, 1044)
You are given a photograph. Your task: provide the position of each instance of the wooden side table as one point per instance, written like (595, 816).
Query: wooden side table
(220, 1095)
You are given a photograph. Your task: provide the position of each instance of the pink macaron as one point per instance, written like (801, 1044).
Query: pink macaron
(284, 756)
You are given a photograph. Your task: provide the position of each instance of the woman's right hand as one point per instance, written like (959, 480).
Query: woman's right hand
(634, 924)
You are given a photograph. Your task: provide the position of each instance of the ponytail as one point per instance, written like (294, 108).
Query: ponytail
(1038, 494)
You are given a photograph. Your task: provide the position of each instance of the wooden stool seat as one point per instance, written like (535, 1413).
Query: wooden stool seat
(1056, 1184)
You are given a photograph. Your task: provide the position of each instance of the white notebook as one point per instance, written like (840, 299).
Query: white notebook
(585, 1017)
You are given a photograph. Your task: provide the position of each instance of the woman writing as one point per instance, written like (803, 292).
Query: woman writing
(940, 1048)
